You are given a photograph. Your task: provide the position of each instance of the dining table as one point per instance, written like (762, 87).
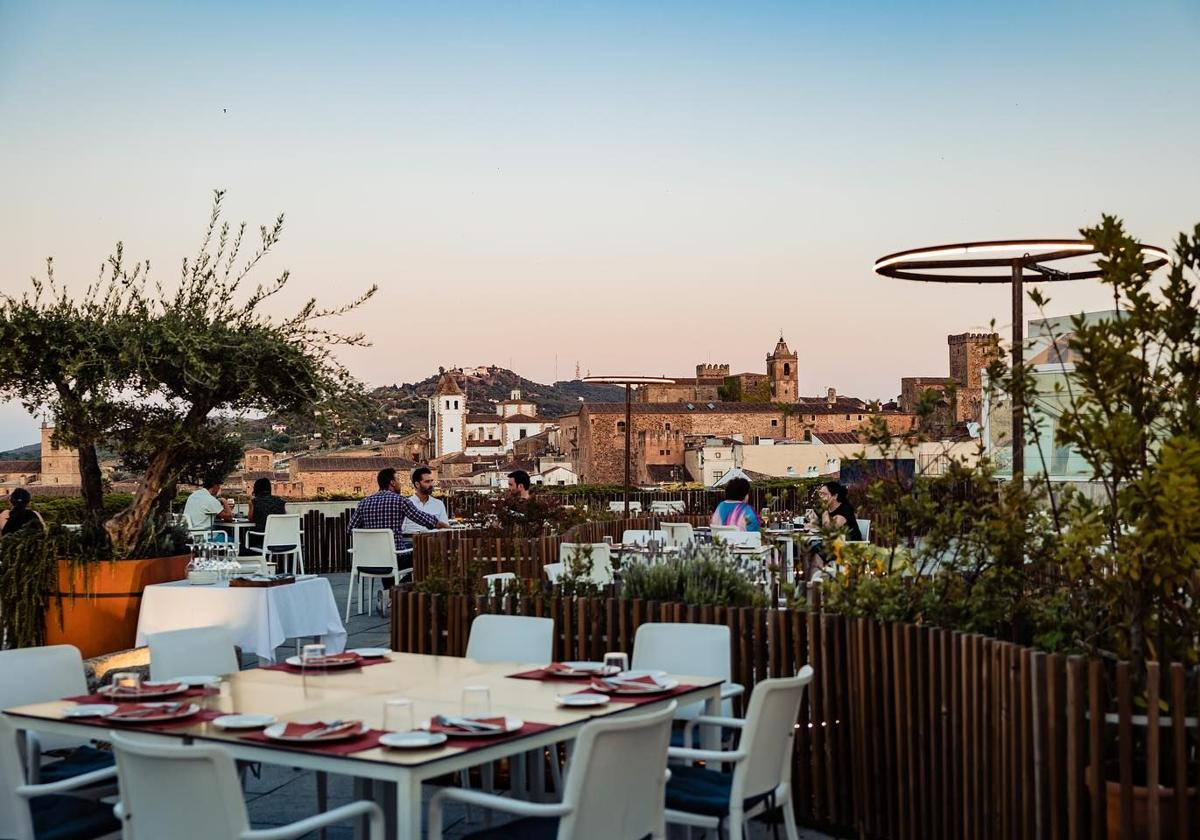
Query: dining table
(392, 777)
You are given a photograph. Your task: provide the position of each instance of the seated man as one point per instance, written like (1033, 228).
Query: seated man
(422, 479)
(389, 509)
(735, 511)
(204, 506)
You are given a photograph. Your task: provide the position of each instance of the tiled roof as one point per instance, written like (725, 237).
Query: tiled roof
(447, 386)
(20, 466)
(336, 464)
(839, 438)
(806, 405)
(471, 443)
(483, 417)
(524, 418)
(458, 458)
(251, 476)
(258, 450)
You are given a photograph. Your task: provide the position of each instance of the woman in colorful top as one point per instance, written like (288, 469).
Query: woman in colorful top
(735, 511)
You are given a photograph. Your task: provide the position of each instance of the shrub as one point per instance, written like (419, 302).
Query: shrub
(702, 576)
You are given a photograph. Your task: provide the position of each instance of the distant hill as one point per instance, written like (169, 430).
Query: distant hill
(23, 453)
(403, 408)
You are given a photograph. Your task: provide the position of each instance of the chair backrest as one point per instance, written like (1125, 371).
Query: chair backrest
(496, 581)
(14, 812)
(511, 638)
(375, 547)
(615, 782)
(768, 733)
(40, 674)
(678, 533)
(700, 650)
(185, 793)
(601, 556)
(723, 531)
(553, 571)
(641, 537)
(753, 539)
(191, 650)
(864, 527)
(282, 529)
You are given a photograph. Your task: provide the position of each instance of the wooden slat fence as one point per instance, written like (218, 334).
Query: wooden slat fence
(913, 731)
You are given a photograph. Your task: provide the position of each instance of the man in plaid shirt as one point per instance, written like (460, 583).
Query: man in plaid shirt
(388, 509)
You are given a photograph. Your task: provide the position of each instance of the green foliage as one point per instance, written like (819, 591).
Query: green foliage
(62, 510)
(698, 576)
(576, 579)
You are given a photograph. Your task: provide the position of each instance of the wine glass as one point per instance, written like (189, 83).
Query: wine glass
(398, 715)
(476, 701)
(616, 662)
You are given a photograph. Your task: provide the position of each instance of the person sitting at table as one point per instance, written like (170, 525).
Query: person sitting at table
(262, 504)
(735, 511)
(203, 506)
(423, 498)
(389, 509)
(836, 512)
(20, 514)
(519, 484)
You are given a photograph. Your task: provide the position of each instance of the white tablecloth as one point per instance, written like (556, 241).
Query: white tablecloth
(260, 618)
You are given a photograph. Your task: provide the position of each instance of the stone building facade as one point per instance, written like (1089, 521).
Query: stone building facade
(314, 476)
(969, 356)
(60, 465)
(594, 436)
(780, 383)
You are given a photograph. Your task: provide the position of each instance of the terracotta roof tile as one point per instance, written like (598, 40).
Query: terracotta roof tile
(372, 463)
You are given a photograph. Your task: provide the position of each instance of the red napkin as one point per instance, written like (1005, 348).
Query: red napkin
(135, 711)
(498, 721)
(105, 698)
(161, 688)
(335, 659)
(629, 684)
(297, 730)
(646, 697)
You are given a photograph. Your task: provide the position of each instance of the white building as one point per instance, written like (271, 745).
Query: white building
(453, 429)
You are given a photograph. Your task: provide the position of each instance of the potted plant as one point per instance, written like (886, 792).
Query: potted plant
(150, 371)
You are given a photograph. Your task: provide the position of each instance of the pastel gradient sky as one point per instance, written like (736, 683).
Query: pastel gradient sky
(636, 186)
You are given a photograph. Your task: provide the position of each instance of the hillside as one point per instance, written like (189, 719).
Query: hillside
(30, 452)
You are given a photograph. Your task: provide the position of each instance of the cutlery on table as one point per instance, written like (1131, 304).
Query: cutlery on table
(465, 723)
(327, 729)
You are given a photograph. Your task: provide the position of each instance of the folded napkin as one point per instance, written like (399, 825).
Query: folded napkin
(334, 659)
(563, 668)
(136, 711)
(501, 721)
(299, 730)
(159, 688)
(643, 683)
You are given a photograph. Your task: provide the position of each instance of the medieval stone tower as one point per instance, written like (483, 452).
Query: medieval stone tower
(781, 370)
(448, 417)
(970, 354)
(60, 465)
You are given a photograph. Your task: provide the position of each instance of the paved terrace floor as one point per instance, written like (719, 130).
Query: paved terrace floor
(282, 795)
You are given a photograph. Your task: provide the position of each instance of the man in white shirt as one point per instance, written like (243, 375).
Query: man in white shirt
(422, 479)
(203, 506)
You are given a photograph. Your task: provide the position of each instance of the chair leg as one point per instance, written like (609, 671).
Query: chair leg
(350, 592)
(789, 821)
(322, 797)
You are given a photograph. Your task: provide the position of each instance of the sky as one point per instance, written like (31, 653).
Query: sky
(633, 187)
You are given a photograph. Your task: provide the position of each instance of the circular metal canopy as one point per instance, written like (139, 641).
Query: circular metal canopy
(935, 264)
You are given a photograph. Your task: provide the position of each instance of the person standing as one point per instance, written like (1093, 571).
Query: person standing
(389, 509)
(423, 498)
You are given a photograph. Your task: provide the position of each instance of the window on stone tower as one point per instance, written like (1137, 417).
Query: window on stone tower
(620, 425)
(456, 403)
(787, 369)
(774, 422)
(524, 432)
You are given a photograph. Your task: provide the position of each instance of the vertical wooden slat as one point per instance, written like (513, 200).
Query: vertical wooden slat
(1096, 710)
(1153, 815)
(1076, 761)
(1125, 747)
(1178, 683)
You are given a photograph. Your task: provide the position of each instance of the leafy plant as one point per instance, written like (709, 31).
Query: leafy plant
(700, 575)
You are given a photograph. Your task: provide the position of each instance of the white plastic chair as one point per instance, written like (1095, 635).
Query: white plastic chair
(762, 774)
(602, 571)
(641, 537)
(374, 558)
(864, 527)
(40, 675)
(737, 538)
(614, 786)
(553, 571)
(700, 650)
(192, 793)
(192, 650)
(28, 811)
(497, 580)
(281, 538)
(619, 507)
(678, 533)
(668, 506)
(511, 638)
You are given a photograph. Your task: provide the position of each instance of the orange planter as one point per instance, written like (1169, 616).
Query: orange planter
(102, 616)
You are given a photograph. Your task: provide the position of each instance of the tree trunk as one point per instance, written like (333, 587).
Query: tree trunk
(124, 528)
(92, 482)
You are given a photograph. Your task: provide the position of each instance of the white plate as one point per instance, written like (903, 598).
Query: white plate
(581, 700)
(196, 680)
(187, 711)
(629, 691)
(415, 740)
(371, 653)
(511, 724)
(144, 694)
(243, 721)
(90, 710)
(275, 733)
(581, 669)
(629, 675)
(295, 662)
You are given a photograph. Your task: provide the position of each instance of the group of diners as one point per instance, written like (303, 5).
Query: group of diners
(837, 515)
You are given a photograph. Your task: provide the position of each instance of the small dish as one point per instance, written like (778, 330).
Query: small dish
(633, 675)
(195, 680)
(415, 740)
(168, 712)
(147, 691)
(90, 710)
(243, 721)
(371, 653)
(581, 700)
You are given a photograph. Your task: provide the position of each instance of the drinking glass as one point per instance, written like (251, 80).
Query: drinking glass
(476, 700)
(312, 661)
(615, 662)
(127, 682)
(398, 715)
